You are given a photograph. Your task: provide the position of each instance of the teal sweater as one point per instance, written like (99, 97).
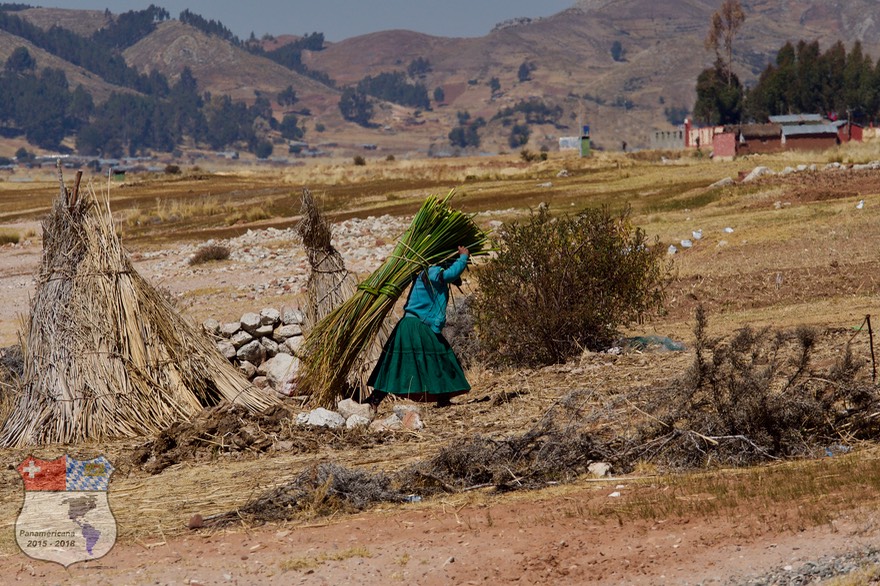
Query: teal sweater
(428, 302)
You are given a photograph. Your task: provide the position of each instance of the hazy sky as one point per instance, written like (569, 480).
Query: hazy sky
(340, 19)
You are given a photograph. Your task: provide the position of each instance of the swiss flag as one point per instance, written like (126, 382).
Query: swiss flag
(44, 474)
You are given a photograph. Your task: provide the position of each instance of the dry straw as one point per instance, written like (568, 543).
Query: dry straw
(106, 355)
(330, 284)
(333, 346)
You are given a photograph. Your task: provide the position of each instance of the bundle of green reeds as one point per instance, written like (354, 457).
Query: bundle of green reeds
(336, 341)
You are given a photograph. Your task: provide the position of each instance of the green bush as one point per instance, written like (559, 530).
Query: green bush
(559, 285)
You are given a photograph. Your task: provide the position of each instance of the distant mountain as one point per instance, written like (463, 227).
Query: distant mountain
(568, 60)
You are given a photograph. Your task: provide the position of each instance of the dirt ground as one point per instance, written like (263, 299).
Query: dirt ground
(799, 252)
(536, 540)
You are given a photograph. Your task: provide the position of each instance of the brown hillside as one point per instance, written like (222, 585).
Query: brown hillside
(99, 89)
(222, 68)
(571, 51)
(82, 22)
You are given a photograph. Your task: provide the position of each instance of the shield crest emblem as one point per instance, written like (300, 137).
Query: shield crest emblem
(66, 517)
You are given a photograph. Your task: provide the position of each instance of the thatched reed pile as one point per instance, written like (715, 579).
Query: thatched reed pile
(329, 285)
(105, 354)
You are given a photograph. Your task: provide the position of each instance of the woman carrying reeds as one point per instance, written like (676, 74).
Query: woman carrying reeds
(417, 362)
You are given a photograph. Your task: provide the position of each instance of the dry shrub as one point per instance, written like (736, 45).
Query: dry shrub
(232, 430)
(559, 448)
(322, 490)
(460, 330)
(754, 397)
(9, 237)
(559, 285)
(209, 253)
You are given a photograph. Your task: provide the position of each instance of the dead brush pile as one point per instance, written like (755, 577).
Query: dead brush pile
(232, 431)
(753, 398)
(320, 491)
(557, 449)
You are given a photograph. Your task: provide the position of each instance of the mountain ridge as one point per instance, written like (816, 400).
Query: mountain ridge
(569, 53)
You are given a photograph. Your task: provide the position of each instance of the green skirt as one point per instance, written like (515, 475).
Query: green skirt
(418, 364)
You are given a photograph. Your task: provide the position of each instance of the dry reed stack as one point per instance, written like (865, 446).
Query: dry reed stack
(330, 284)
(106, 355)
(333, 346)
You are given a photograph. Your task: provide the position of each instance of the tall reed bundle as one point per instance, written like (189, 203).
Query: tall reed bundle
(336, 341)
(329, 285)
(105, 355)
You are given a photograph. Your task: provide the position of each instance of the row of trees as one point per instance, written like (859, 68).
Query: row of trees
(395, 87)
(803, 79)
(99, 53)
(41, 106)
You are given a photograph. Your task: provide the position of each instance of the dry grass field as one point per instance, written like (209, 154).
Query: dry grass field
(783, 251)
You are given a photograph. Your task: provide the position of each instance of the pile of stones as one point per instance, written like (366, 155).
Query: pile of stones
(262, 345)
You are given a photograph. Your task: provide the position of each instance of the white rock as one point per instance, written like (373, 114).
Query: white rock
(250, 322)
(293, 344)
(402, 410)
(356, 421)
(227, 349)
(252, 352)
(349, 407)
(390, 422)
(270, 316)
(227, 330)
(284, 332)
(264, 331)
(248, 369)
(211, 327)
(270, 345)
(672, 249)
(728, 230)
(727, 181)
(686, 244)
(599, 469)
(280, 369)
(321, 417)
(757, 172)
(290, 315)
(240, 338)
